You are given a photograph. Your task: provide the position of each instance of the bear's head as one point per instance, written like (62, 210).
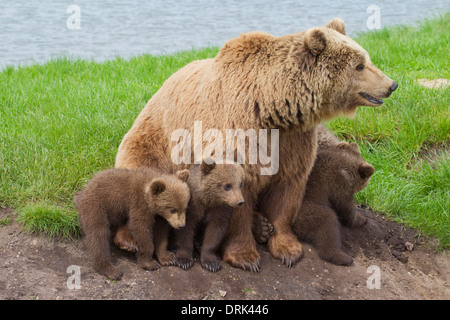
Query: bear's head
(169, 196)
(299, 80)
(345, 75)
(353, 172)
(220, 184)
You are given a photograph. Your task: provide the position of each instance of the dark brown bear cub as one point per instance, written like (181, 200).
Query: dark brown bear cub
(338, 173)
(215, 191)
(116, 197)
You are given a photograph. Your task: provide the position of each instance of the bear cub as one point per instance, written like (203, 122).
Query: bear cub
(132, 197)
(338, 173)
(215, 191)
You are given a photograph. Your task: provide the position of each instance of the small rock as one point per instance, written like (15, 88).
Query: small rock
(409, 246)
(222, 293)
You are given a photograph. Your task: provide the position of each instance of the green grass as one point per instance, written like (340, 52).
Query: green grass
(61, 122)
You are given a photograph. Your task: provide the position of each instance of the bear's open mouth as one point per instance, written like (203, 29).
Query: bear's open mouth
(371, 99)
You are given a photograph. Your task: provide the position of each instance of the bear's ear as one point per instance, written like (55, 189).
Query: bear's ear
(183, 175)
(352, 146)
(336, 24)
(343, 145)
(157, 187)
(365, 170)
(315, 41)
(206, 167)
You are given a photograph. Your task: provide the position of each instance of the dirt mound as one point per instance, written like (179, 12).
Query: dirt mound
(35, 267)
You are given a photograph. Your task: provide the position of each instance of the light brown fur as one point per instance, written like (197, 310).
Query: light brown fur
(215, 191)
(257, 81)
(132, 197)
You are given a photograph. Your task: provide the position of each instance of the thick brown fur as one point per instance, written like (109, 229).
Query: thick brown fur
(132, 197)
(259, 81)
(215, 191)
(338, 173)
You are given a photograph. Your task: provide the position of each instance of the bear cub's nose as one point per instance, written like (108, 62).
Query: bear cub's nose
(240, 203)
(393, 87)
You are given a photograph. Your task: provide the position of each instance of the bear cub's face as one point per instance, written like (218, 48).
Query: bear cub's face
(169, 197)
(355, 172)
(221, 184)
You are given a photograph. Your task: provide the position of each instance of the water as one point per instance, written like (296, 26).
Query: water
(36, 31)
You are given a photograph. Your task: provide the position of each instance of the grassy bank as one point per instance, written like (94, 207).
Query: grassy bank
(62, 121)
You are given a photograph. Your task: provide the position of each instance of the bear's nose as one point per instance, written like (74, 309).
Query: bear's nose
(393, 87)
(240, 203)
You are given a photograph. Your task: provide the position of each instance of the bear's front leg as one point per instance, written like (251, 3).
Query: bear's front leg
(240, 246)
(142, 232)
(184, 241)
(161, 241)
(348, 214)
(217, 223)
(281, 204)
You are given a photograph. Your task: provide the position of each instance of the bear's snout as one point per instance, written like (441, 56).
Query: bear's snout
(240, 202)
(393, 87)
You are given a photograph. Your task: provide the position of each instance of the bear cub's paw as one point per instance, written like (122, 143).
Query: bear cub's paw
(149, 264)
(337, 257)
(210, 262)
(359, 220)
(168, 259)
(111, 273)
(184, 260)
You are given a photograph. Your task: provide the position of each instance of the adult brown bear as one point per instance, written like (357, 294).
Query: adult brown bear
(259, 81)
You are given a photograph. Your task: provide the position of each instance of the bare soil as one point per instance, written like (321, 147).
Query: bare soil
(35, 267)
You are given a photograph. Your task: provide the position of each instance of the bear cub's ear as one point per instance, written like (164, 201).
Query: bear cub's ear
(352, 146)
(157, 187)
(315, 41)
(337, 24)
(206, 168)
(365, 170)
(183, 175)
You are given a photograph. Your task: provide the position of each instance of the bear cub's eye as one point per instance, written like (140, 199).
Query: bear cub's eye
(227, 187)
(173, 210)
(360, 67)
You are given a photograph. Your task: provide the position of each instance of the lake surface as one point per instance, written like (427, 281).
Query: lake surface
(36, 31)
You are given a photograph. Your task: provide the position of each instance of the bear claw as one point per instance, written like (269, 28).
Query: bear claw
(212, 267)
(185, 263)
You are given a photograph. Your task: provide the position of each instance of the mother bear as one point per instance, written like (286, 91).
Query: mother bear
(259, 81)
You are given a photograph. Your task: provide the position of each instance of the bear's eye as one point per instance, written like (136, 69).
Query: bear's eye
(360, 67)
(240, 186)
(227, 187)
(173, 210)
